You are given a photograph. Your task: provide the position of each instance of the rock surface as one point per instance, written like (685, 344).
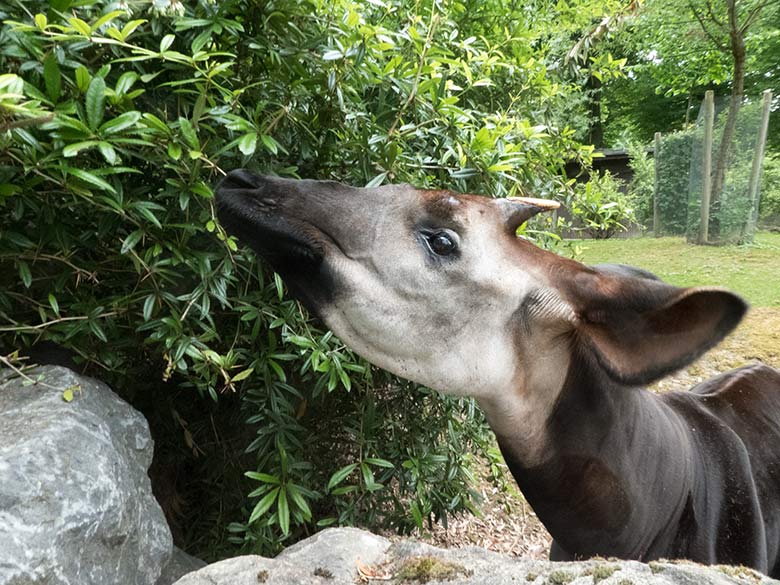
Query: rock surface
(346, 556)
(179, 564)
(76, 505)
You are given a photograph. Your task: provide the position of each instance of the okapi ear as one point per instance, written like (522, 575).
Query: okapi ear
(640, 329)
(518, 210)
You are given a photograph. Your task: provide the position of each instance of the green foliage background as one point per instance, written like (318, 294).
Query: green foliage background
(118, 118)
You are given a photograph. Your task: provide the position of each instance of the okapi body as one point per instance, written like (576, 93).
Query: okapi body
(437, 288)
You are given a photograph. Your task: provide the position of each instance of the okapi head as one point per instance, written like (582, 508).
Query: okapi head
(436, 287)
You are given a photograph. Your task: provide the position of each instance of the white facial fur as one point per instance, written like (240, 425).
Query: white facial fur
(450, 325)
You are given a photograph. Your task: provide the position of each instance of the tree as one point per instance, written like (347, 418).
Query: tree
(726, 23)
(671, 60)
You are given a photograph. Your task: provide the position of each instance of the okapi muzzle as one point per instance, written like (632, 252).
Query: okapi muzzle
(436, 287)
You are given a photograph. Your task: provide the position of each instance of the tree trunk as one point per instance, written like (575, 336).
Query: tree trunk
(737, 40)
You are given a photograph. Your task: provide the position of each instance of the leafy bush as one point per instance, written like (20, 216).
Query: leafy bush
(641, 189)
(118, 118)
(674, 162)
(602, 207)
(769, 210)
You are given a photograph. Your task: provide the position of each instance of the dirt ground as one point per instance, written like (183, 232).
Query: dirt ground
(508, 525)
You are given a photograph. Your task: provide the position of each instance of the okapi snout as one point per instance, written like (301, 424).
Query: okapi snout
(285, 222)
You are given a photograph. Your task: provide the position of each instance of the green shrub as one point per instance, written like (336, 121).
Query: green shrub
(674, 162)
(601, 207)
(641, 189)
(769, 210)
(116, 121)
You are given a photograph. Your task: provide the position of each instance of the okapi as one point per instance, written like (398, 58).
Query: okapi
(436, 287)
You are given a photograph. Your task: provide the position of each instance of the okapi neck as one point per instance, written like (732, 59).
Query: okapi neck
(611, 460)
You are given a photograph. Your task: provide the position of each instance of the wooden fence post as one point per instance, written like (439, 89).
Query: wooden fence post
(656, 159)
(706, 191)
(758, 160)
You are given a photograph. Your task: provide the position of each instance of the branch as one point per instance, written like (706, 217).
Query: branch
(55, 321)
(753, 16)
(714, 18)
(712, 37)
(25, 122)
(7, 362)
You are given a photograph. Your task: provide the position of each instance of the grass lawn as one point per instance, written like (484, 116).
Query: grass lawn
(751, 271)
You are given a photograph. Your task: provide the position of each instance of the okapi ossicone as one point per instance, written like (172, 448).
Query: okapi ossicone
(437, 288)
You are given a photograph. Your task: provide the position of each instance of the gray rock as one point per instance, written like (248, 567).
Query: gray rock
(337, 556)
(179, 565)
(76, 505)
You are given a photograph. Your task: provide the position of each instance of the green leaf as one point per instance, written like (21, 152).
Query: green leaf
(270, 144)
(130, 27)
(73, 149)
(379, 462)
(284, 513)
(106, 18)
(95, 102)
(299, 501)
(80, 26)
(125, 82)
(18, 239)
(345, 380)
(417, 515)
(108, 152)
(149, 307)
(326, 522)
(41, 21)
(264, 477)
(88, 177)
(188, 133)
(341, 475)
(242, 375)
(378, 180)
(69, 392)
(248, 143)
(121, 122)
(166, 42)
(155, 123)
(131, 240)
(145, 208)
(52, 77)
(82, 78)
(174, 150)
(55, 306)
(368, 475)
(8, 189)
(25, 274)
(95, 327)
(263, 505)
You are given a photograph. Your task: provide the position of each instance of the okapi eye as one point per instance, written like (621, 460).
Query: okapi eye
(442, 243)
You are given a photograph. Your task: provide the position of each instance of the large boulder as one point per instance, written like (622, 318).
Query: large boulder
(345, 556)
(76, 505)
